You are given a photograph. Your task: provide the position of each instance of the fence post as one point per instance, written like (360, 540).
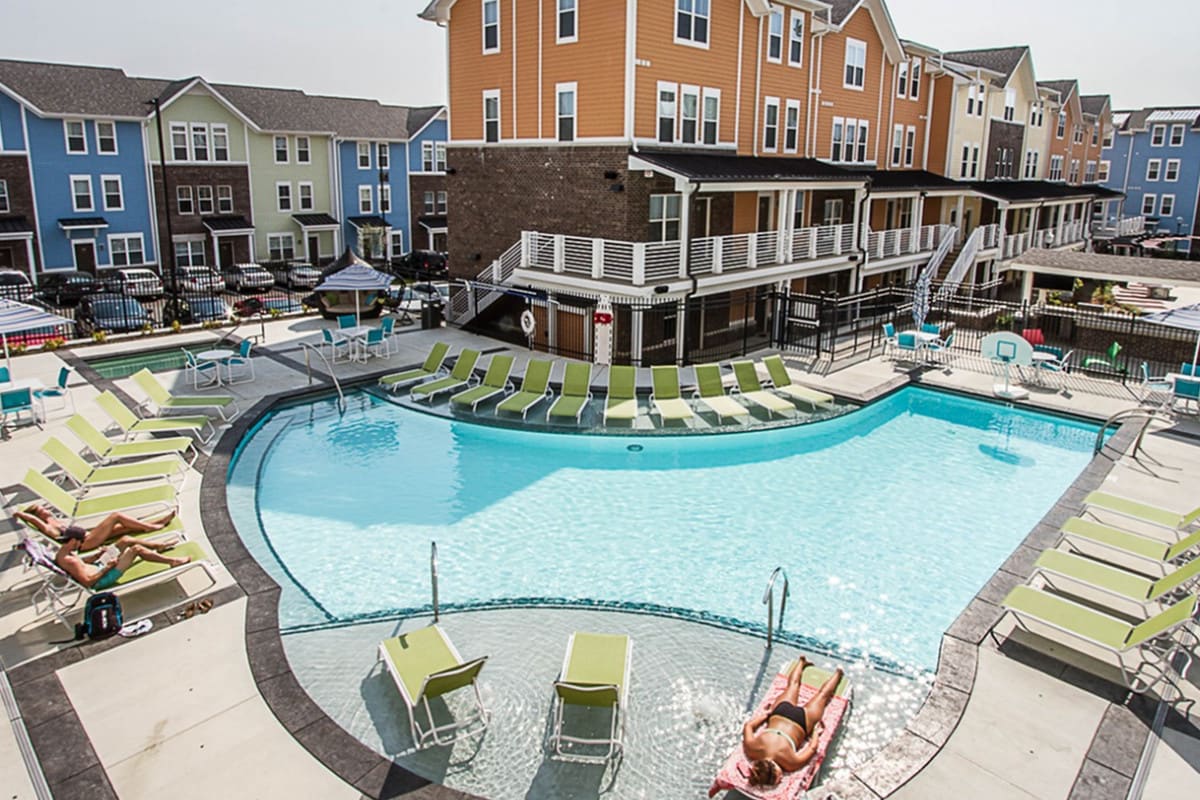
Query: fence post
(560, 248)
(718, 254)
(639, 263)
(526, 247)
(597, 258)
(752, 251)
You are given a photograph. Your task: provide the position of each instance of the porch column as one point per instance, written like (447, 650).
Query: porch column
(680, 331)
(1026, 285)
(552, 323)
(33, 271)
(337, 242)
(250, 244)
(685, 228)
(858, 221)
(1058, 230)
(917, 217)
(783, 206)
(959, 217)
(635, 335)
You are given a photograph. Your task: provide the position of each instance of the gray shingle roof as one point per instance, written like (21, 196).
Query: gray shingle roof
(276, 109)
(998, 59)
(352, 118)
(840, 9)
(1166, 270)
(1063, 87)
(418, 117)
(71, 89)
(1093, 103)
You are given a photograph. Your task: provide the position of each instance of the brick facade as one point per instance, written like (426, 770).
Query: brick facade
(418, 185)
(1010, 137)
(237, 177)
(14, 171)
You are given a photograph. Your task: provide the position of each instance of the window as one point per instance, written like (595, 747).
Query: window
(1073, 177)
(902, 80)
(796, 40)
(199, 142)
(1153, 169)
(304, 193)
(1089, 172)
(383, 155)
(975, 96)
(224, 199)
(712, 115)
(1158, 135)
(1166, 205)
(364, 155)
(833, 212)
(283, 197)
(385, 199)
(106, 138)
(1056, 168)
(839, 125)
(965, 168)
(691, 22)
(666, 112)
(81, 193)
(439, 157)
(850, 140)
(429, 208)
(664, 217)
(220, 142)
(1149, 202)
(910, 145)
(791, 127)
(179, 142)
(1078, 134)
(491, 115)
(914, 81)
(567, 21)
(975, 161)
(204, 199)
(491, 26)
(365, 201)
(1177, 135)
(280, 247)
(1095, 134)
(3, 197)
(397, 242)
(689, 113)
(1037, 114)
(303, 149)
(427, 156)
(770, 124)
(897, 145)
(856, 64)
(1108, 138)
(183, 200)
(1061, 131)
(281, 150)
(1102, 175)
(110, 188)
(1029, 168)
(441, 202)
(1172, 174)
(1010, 105)
(189, 254)
(126, 250)
(566, 112)
(76, 141)
(775, 35)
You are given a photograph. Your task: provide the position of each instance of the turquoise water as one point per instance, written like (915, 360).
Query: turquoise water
(887, 520)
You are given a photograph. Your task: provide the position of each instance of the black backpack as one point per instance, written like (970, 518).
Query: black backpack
(101, 617)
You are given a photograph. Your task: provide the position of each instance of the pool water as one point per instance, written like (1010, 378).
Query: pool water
(886, 521)
(122, 366)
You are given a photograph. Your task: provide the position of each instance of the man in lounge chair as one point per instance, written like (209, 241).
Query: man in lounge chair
(792, 733)
(113, 526)
(102, 569)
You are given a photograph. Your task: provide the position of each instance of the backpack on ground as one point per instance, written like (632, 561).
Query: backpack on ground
(101, 617)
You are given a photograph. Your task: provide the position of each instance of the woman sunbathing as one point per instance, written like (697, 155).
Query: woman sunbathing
(793, 732)
(102, 569)
(111, 527)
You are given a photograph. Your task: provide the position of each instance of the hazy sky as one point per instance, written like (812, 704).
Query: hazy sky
(379, 49)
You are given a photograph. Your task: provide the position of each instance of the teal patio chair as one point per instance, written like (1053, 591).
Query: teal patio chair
(58, 391)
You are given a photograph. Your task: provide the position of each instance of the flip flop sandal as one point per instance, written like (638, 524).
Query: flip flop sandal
(188, 612)
(204, 606)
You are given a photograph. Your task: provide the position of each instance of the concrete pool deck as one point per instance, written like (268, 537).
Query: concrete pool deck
(1011, 723)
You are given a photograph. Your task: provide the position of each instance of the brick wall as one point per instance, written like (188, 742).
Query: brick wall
(237, 177)
(1008, 135)
(14, 171)
(418, 185)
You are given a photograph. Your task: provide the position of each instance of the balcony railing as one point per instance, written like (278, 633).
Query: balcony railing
(1126, 226)
(1017, 243)
(904, 241)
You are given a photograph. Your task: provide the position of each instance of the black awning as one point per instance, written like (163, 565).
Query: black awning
(67, 223)
(1103, 192)
(1025, 191)
(897, 180)
(369, 221)
(314, 220)
(15, 224)
(714, 168)
(227, 224)
(434, 222)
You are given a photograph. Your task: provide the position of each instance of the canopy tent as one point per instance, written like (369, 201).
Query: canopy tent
(1187, 317)
(18, 317)
(351, 274)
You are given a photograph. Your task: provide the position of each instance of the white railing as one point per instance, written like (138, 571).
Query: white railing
(465, 303)
(904, 241)
(1125, 226)
(949, 237)
(963, 264)
(991, 236)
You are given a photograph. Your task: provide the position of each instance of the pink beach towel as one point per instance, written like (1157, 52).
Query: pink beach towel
(733, 774)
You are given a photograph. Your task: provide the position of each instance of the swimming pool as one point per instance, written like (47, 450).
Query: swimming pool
(122, 366)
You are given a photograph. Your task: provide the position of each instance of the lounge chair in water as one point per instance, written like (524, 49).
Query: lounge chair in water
(535, 387)
(1145, 554)
(107, 451)
(1141, 512)
(621, 402)
(782, 383)
(425, 664)
(576, 392)
(159, 396)
(495, 382)
(131, 425)
(749, 389)
(160, 496)
(459, 377)
(732, 774)
(710, 391)
(1110, 586)
(86, 476)
(667, 400)
(430, 369)
(594, 680)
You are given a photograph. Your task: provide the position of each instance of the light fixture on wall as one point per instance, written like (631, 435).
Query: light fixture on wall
(617, 187)
(611, 175)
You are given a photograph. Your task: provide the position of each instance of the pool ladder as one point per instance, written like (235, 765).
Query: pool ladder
(769, 602)
(312, 348)
(1146, 415)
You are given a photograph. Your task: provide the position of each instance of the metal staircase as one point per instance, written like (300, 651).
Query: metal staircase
(479, 293)
(963, 264)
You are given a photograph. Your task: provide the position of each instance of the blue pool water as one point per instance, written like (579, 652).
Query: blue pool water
(887, 520)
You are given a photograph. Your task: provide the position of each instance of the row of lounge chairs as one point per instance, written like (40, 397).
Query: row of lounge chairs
(776, 395)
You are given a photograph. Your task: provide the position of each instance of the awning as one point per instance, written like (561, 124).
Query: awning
(911, 180)
(228, 225)
(15, 227)
(315, 222)
(731, 172)
(369, 221)
(434, 223)
(19, 317)
(82, 223)
(1035, 191)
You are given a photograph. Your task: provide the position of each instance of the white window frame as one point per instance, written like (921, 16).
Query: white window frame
(1154, 169)
(1103, 171)
(193, 255)
(301, 199)
(1149, 204)
(897, 155)
(1096, 135)
(1171, 170)
(1073, 174)
(795, 37)
(854, 46)
(427, 156)
(965, 167)
(686, 92)
(490, 95)
(221, 130)
(4, 201)
(385, 199)
(1166, 205)
(184, 194)
(659, 116)
(770, 140)
(428, 202)
(791, 128)
(112, 126)
(910, 145)
(225, 199)
(1158, 135)
(180, 128)
(120, 206)
(1060, 126)
(1077, 134)
(383, 155)
(363, 149)
(837, 139)
(775, 37)
(705, 94)
(1010, 105)
(67, 123)
(902, 79)
(483, 12)
(74, 197)
(1108, 138)
(1089, 172)
(1182, 131)
(443, 202)
(397, 242)
(1056, 168)
(692, 40)
(561, 89)
(663, 222)
(205, 197)
(202, 129)
(286, 149)
(303, 153)
(283, 199)
(439, 157)
(279, 245)
(124, 239)
(974, 160)
(366, 193)
(573, 10)
(914, 79)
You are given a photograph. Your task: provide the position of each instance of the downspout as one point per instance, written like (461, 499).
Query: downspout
(891, 126)
(814, 117)
(737, 92)
(863, 224)
(684, 253)
(631, 72)
(758, 82)
(928, 122)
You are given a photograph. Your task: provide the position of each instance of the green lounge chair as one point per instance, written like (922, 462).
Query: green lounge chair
(61, 500)
(495, 382)
(748, 388)
(1106, 362)
(576, 392)
(595, 675)
(107, 451)
(175, 526)
(430, 369)
(782, 382)
(667, 400)
(424, 663)
(621, 401)
(1142, 512)
(460, 376)
(131, 425)
(157, 394)
(1151, 556)
(535, 387)
(1121, 586)
(710, 392)
(1142, 651)
(86, 476)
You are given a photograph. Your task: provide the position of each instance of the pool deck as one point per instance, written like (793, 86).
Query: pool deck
(207, 705)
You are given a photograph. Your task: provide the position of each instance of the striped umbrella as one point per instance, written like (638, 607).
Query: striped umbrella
(357, 277)
(21, 317)
(921, 292)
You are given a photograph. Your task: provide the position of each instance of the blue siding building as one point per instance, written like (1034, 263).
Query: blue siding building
(17, 241)
(427, 182)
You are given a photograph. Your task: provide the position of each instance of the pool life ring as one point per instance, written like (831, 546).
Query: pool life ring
(602, 318)
(528, 322)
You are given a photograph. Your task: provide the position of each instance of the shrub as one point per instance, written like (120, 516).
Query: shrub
(53, 344)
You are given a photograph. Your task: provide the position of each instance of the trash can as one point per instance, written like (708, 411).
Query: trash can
(431, 315)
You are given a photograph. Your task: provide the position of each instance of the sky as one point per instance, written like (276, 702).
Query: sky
(379, 49)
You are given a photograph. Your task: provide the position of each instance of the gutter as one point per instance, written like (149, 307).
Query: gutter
(863, 222)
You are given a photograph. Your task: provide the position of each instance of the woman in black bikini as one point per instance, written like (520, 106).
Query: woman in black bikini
(792, 732)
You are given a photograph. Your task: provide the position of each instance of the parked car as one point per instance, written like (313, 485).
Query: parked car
(108, 311)
(296, 276)
(64, 288)
(191, 308)
(420, 264)
(15, 285)
(256, 304)
(411, 297)
(199, 280)
(240, 277)
(134, 282)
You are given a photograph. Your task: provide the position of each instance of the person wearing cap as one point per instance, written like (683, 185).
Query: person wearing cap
(111, 527)
(102, 569)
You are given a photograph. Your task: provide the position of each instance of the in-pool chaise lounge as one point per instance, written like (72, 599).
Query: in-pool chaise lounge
(535, 387)
(425, 664)
(158, 395)
(782, 382)
(1119, 589)
(495, 381)
(576, 392)
(595, 676)
(85, 475)
(107, 451)
(749, 389)
(131, 425)
(621, 401)
(1142, 512)
(667, 400)
(58, 498)
(430, 369)
(460, 376)
(1145, 553)
(710, 391)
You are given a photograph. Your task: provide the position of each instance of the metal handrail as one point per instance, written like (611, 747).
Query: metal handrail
(433, 577)
(769, 601)
(309, 347)
(1150, 414)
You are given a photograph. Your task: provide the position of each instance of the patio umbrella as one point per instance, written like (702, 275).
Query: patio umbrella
(1187, 317)
(21, 317)
(356, 276)
(921, 293)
